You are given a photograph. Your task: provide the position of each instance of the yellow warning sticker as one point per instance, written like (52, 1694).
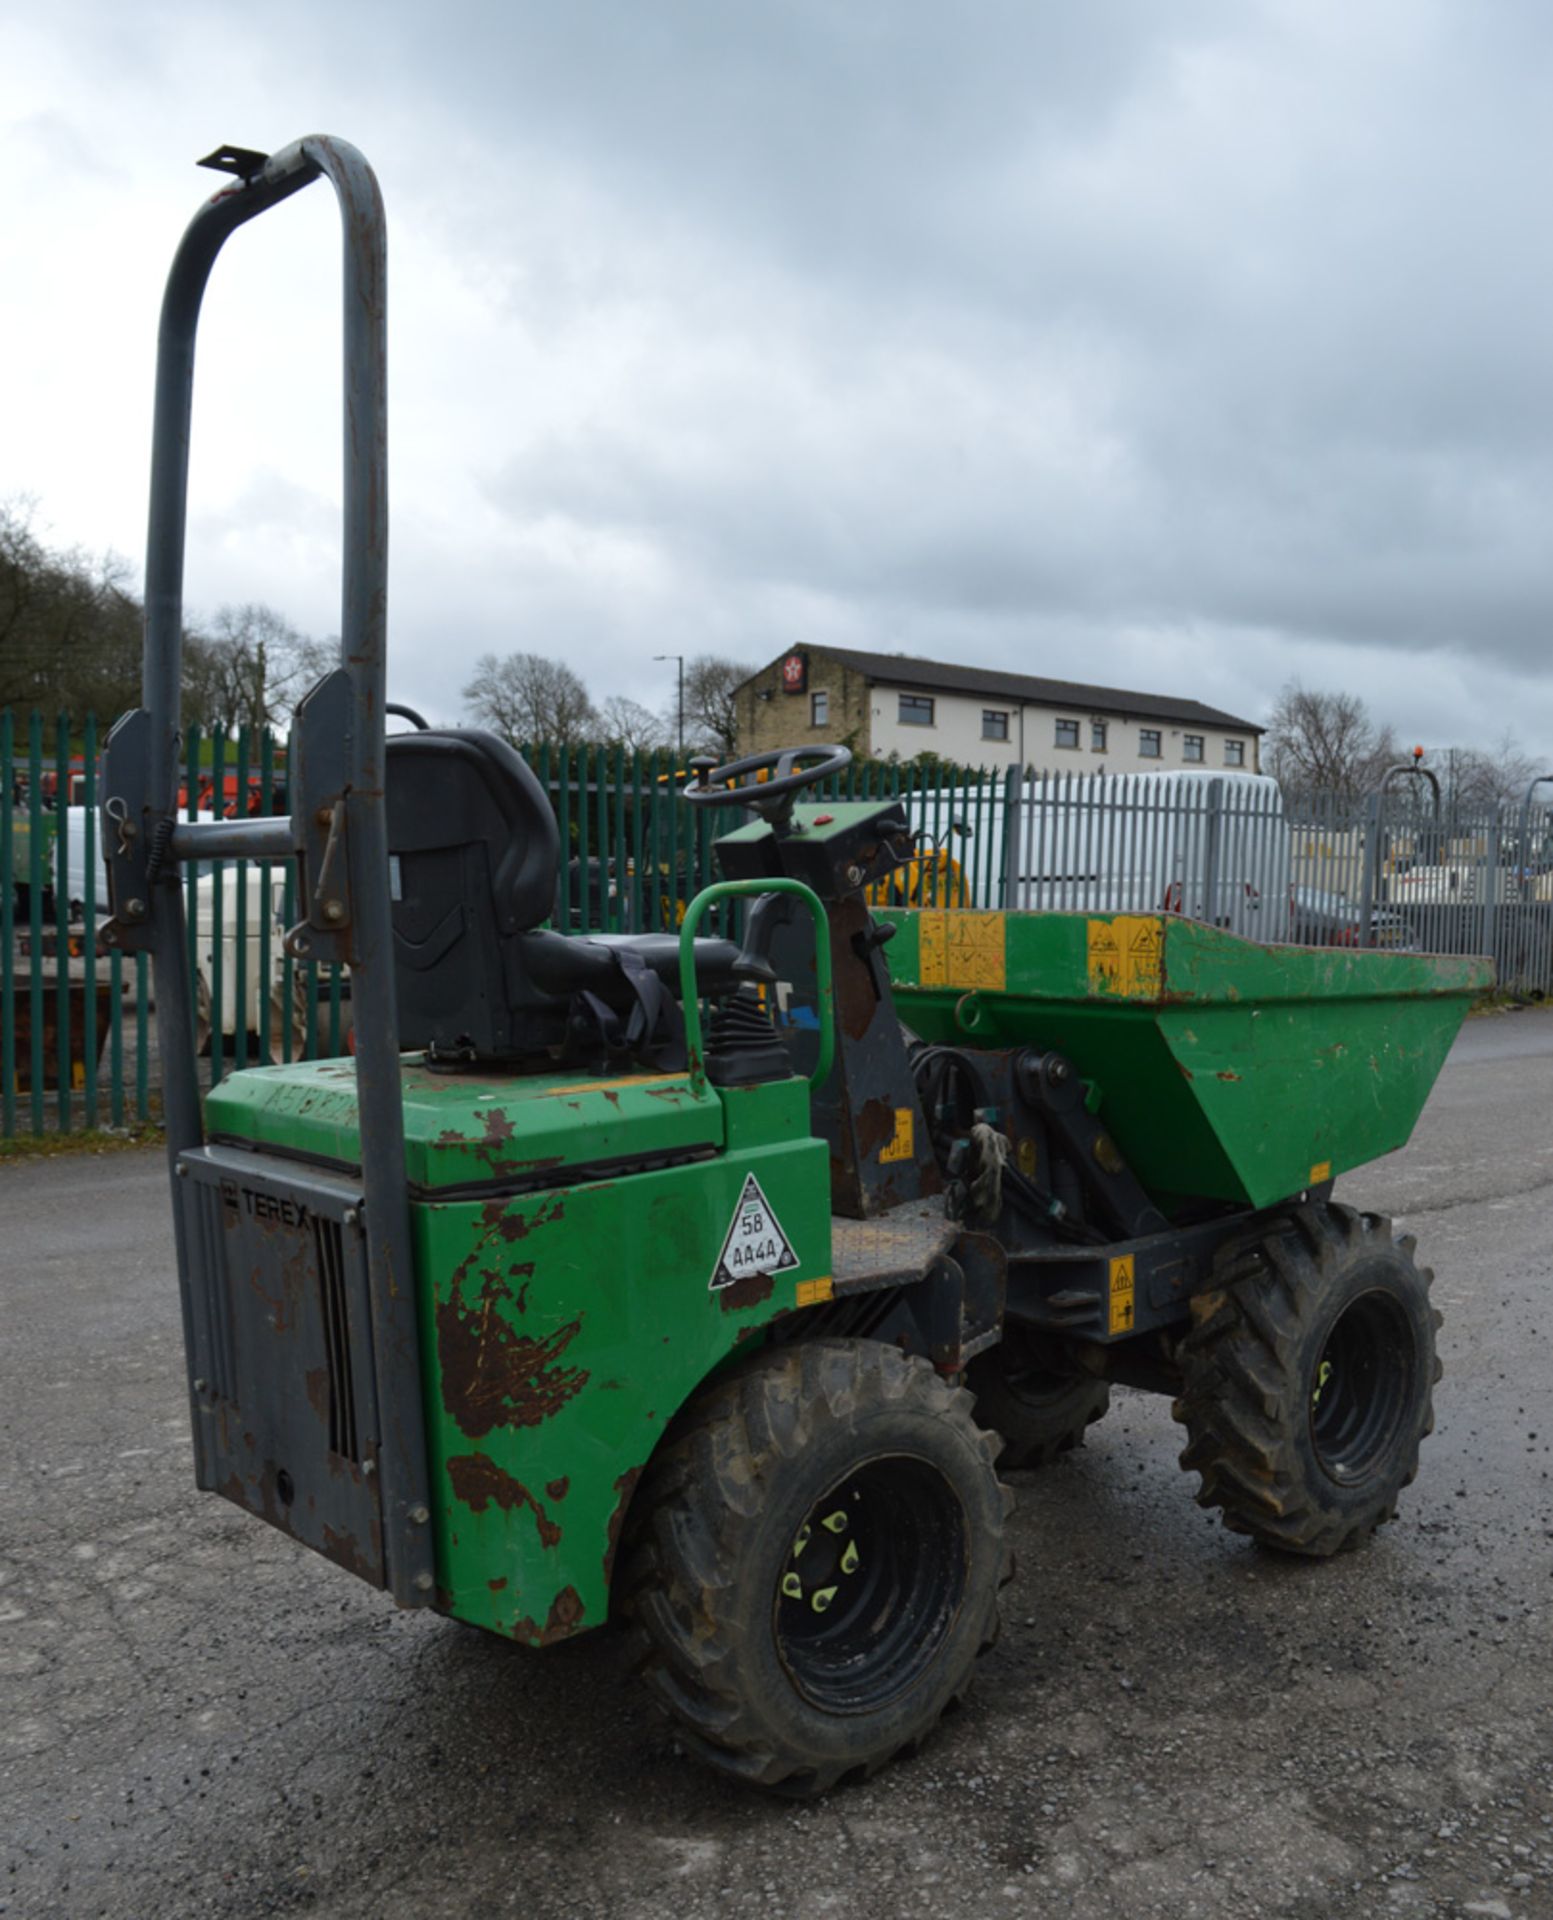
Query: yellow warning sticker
(1121, 1317)
(1126, 955)
(898, 1146)
(956, 949)
(813, 1293)
(1320, 1172)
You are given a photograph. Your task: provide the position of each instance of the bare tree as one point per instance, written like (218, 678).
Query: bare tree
(526, 697)
(69, 623)
(249, 668)
(1478, 777)
(1326, 742)
(626, 723)
(711, 719)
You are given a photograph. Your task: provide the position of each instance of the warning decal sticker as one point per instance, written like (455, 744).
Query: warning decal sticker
(898, 1146)
(1123, 1294)
(1125, 954)
(755, 1242)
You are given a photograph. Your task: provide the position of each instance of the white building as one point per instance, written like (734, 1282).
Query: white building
(891, 706)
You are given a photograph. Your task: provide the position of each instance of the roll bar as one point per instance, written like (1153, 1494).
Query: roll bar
(338, 825)
(1542, 780)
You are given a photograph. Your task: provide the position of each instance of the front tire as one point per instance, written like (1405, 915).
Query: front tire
(1307, 1381)
(817, 1561)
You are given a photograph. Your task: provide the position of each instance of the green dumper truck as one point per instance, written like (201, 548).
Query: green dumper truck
(587, 1291)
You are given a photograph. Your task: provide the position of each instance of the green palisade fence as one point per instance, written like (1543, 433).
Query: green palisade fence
(77, 1037)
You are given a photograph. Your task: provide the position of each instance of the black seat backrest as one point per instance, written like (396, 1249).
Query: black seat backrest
(473, 861)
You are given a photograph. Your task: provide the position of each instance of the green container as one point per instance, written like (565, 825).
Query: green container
(1225, 1070)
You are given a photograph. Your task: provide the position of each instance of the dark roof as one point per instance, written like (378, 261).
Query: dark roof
(899, 669)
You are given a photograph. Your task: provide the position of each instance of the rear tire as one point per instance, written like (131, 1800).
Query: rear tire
(1039, 1414)
(1307, 1381)
(817, 1563)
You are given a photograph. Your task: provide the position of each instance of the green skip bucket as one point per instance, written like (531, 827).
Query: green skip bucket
(1226, 1070)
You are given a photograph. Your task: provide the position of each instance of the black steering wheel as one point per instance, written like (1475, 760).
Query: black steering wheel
(784, 764)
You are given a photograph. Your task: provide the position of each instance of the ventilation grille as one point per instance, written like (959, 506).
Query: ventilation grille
(332, 1299)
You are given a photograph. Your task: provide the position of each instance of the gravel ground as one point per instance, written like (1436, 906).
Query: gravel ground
(200, 1719)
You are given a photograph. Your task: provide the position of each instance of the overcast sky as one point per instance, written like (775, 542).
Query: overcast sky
(1189, 347)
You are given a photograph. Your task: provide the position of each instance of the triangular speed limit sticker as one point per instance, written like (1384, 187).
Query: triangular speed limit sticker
(755, 1242)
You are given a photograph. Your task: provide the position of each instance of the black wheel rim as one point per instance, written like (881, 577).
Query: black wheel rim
(1363, 1387)
(871, 1584)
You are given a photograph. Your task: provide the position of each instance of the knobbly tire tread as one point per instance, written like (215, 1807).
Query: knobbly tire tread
(1245, 1394)
(1032, 1436)
(729, 1451)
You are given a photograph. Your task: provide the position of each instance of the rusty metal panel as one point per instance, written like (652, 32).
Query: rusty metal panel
(281, 1352)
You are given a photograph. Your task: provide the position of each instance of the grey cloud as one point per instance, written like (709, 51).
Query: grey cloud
(1205, 341)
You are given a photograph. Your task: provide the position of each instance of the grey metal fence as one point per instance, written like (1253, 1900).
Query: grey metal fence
(1385, 870)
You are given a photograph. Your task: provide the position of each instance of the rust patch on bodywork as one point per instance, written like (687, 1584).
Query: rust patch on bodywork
(748, 1292)
(625, 1486)
(875, 1126)
(316, 1380)
(558, 1489)
(513, 1225)
(342, 1549)
(479, 1483)
(562, 1619)
(565, 1612)
(493, 1376)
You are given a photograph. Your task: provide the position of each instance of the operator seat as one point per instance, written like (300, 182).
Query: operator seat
(473, 863)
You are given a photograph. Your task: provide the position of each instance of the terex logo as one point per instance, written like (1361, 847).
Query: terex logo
(270, 1209)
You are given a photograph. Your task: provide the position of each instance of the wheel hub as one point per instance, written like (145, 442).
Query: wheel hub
(871, 1584)
(1362, 1387)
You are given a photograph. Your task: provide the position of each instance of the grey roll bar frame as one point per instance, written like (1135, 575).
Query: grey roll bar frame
(338, 823)
(1375, 832)
(1542, 780)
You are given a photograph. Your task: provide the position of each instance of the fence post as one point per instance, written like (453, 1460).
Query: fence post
(7, 926)
(1013, 789)
(1372, 808)
(62, 1063)
(36, 869)
(1212, 856)
(1489, 871)
(92, 865)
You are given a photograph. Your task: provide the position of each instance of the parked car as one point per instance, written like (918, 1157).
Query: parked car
(1321, 919)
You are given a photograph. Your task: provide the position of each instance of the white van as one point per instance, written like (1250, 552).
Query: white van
(254, 908)
(1215, 847)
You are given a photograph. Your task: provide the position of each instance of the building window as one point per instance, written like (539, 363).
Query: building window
(916, 710)
(819, 709)
(1097, 736)
(1148, 743)
(1192, 747)
(994, 724)
(1234, 753)
(1067, 733)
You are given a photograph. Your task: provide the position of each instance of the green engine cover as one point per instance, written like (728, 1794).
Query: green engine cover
(586, 1252)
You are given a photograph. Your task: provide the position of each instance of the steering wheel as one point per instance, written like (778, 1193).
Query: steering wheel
(785, 768)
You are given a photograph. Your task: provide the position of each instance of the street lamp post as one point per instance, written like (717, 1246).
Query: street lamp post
(681, 659)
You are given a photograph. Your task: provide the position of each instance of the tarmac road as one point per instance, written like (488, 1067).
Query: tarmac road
(197, 1718)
